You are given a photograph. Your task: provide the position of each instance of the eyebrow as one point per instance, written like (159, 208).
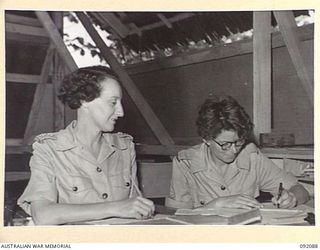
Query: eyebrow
(230, 141)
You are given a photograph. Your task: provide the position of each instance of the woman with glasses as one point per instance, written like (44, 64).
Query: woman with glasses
(226, 170)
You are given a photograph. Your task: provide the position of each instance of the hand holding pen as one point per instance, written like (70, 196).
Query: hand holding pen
(284, 198)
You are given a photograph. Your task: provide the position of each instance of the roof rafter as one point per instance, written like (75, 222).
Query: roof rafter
(288, 29)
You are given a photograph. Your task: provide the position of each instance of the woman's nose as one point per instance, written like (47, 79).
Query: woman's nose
(234, 148)
(120, 111)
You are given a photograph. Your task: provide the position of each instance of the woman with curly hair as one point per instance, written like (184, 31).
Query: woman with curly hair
(85, 172)
(226, 170)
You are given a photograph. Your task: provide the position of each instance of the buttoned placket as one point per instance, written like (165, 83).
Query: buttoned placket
(215, 175)
(97, 167)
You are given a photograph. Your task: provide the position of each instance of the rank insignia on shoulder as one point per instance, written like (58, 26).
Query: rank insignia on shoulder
(40, 138)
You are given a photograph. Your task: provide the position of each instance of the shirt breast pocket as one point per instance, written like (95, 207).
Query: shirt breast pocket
(120, 184)
(80, 190)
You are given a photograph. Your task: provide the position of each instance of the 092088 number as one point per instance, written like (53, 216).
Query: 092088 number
(308, 245)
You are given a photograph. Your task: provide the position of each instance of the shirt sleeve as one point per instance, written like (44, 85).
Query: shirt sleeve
(179, 194)
(135, 185)
(41, 185)
(270, 175)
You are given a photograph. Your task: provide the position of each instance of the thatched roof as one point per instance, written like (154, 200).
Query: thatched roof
(143, 36)
(142, 31)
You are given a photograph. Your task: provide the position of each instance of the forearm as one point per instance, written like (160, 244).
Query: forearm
(45, 213)
(300, 193)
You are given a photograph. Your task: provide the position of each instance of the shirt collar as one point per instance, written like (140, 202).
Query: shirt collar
(198, 156)
(66, 139)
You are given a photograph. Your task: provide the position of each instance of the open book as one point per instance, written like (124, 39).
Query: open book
(272, 215)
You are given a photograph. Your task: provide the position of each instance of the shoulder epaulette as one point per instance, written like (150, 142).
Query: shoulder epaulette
(124, 135)
(42, 137)
(185, 154)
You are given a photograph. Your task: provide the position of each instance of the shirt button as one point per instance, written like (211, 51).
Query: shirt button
(98, 169)
(202, 203)
(222, 187)
(75, 189)
(104, 195)
(127, 184)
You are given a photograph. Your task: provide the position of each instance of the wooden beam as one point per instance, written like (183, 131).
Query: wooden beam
(262, 72)
(25, 30)
(214, 53)
(288, 29)
(146, 111)
(160, 24)
(23, 38)
(30, 21)
(165, 20)
(14, 142)
(56, 39)
(301, 153)
(131, 25)
(22, 78)
(58, 74)
(146, 149)
(15, 146)
(37, 99)
(114, 23)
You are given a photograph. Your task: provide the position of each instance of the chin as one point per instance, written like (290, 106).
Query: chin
(108, 129)
(229, 160)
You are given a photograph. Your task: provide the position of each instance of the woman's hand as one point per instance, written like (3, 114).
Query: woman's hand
(286, 200)
(234, 201)
(136, 207)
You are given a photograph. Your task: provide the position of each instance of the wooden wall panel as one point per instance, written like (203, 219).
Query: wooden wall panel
(292, 112)
(176, 93)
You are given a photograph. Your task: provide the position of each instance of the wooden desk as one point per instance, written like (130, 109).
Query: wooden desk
(164, 217)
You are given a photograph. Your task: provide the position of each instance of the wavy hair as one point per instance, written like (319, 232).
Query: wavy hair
(223, 114)
(84, 85)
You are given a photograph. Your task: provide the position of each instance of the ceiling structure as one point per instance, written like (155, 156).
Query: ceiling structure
(145, 31)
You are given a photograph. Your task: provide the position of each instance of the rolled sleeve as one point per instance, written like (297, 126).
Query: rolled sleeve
(41, 185)
(180, 193)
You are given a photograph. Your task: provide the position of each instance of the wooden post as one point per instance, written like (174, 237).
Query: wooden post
(56, 39)
(288, 29)
(262, 72)
(57, 77)
(146, 111)
(59, 70)
(37, 99)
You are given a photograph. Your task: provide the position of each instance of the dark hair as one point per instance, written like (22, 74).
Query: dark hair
(224, 114)
(84, 85)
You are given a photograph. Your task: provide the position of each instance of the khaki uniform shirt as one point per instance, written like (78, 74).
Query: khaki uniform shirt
(64, 171)
(196, 180)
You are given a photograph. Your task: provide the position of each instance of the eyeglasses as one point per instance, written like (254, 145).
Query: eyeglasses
(226, 145)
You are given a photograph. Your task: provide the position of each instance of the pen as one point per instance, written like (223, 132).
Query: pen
(279, 193)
